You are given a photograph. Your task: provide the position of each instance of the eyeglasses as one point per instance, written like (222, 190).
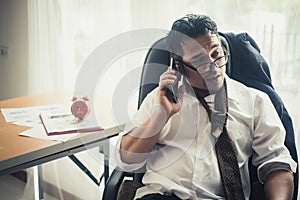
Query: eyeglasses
(203, 68)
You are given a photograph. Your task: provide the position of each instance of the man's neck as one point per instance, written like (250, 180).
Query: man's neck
(201, 92)
(204, 92)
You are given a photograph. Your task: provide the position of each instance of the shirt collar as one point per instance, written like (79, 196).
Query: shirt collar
(231, 91)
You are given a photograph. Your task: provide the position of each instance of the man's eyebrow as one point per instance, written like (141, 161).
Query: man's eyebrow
(215, 45)
(203, 55)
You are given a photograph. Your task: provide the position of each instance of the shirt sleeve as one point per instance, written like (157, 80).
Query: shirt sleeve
(267, 169)
(135, 121)
(268, 140)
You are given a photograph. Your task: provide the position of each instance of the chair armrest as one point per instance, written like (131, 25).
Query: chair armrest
(113, 184)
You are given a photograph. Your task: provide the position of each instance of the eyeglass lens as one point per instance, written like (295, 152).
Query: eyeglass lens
(219, 62)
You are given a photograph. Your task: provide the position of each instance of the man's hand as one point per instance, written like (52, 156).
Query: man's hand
(169, 78)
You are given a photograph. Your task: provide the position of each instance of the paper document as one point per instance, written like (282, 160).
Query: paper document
(57, 121)
(29, 114)
(66, 123)
(39, 132)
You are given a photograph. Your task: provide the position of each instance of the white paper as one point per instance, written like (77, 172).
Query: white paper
(29, 114)
(67, 122)
(27, 123)
(40, 133)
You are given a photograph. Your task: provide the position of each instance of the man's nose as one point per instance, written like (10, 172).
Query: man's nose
(213, 66)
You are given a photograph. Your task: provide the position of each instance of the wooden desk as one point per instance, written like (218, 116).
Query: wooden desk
(18, 152)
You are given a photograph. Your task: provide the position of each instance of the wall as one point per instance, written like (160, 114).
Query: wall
(13, 34)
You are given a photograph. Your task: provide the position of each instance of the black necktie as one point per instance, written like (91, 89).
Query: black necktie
(228, 165)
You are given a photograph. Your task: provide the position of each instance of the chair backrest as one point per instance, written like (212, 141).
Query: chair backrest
(245, 65)
(156, 62)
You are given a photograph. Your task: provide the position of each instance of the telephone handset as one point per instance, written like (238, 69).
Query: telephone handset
(172, 89)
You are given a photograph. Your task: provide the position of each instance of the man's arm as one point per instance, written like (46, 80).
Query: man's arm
(279, 185)
(136, 145)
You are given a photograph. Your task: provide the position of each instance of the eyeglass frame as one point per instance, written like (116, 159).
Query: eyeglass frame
(210, 63)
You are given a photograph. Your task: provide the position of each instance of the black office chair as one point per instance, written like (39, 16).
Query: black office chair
(245, 65)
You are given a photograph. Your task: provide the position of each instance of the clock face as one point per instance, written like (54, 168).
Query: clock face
(79, 109)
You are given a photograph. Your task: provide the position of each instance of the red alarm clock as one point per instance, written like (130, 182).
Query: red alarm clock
(80, 107)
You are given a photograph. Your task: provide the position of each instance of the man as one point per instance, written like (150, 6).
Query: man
(186, 165)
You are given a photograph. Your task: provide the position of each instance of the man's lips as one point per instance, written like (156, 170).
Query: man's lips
(211, 77)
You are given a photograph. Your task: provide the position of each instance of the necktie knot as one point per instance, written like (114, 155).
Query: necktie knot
(218, 120)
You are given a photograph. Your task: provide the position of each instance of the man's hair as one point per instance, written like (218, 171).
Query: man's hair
(192, 26)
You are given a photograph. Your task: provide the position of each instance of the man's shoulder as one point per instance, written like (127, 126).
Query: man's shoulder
(237, 90)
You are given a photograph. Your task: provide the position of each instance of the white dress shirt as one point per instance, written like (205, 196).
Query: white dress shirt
(186, 163)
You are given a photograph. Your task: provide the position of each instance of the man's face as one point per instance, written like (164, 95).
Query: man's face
(197, 53)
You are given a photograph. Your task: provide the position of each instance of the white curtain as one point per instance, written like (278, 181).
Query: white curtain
(62, 34)
(44, 46)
